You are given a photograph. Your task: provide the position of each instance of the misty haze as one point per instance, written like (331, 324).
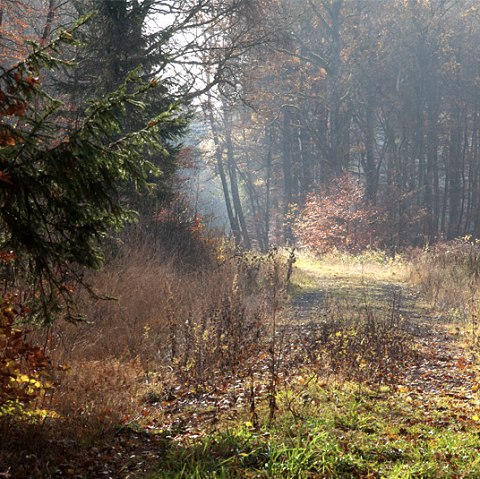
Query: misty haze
(240, 239)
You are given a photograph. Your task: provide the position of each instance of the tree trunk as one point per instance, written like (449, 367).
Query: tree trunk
(269, 138)
(48, 22)
(287, 172)
(221, 171)
(368, 163)
(232, 171)
(454, 180)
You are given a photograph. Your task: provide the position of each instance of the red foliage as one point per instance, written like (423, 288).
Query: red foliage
(339, 219)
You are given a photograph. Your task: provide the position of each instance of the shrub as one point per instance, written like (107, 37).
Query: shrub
(340, 219)
(24, 368)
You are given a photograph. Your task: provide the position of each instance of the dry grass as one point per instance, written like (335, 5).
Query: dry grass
(448, 274)
(166, 323)
(368, 344)
(180, 326)
(371, 266)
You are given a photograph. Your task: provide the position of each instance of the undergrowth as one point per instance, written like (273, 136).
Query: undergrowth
(334, 431)
(448, 274)
(229, 381)
(371, 346)
(164, 327)
(356, 325)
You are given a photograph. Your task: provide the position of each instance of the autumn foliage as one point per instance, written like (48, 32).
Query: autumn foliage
(16, 19)
(338, 219)
(24, 368)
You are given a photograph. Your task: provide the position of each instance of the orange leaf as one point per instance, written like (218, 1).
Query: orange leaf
(461, 363)
(31, 80)
(7, 256)
(21, 108)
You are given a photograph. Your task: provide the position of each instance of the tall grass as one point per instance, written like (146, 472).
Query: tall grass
(448, 274)
(168, 325)
(191, 327)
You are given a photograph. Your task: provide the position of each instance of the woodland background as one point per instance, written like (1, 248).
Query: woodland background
(291, 95)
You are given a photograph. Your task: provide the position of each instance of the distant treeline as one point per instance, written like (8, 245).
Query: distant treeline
(388, 91)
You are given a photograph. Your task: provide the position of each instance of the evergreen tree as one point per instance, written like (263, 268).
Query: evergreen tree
(112, 44)
(61, 188)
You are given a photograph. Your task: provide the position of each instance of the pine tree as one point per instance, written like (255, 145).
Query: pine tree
(61, 188)
(113, 44)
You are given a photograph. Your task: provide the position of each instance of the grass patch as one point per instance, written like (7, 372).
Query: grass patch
(372, 279)
(331, 431)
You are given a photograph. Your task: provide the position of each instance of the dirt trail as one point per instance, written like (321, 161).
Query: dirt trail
(444, 366)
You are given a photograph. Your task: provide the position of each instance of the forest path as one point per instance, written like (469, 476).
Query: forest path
(445, 367)
(351, 285)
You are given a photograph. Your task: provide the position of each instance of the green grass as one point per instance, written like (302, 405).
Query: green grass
(335, 432)
(344, 430)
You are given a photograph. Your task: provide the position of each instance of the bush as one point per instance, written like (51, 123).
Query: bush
(24, 368)
(340, 219)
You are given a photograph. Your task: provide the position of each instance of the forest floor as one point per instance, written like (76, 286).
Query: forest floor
(391, 391)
